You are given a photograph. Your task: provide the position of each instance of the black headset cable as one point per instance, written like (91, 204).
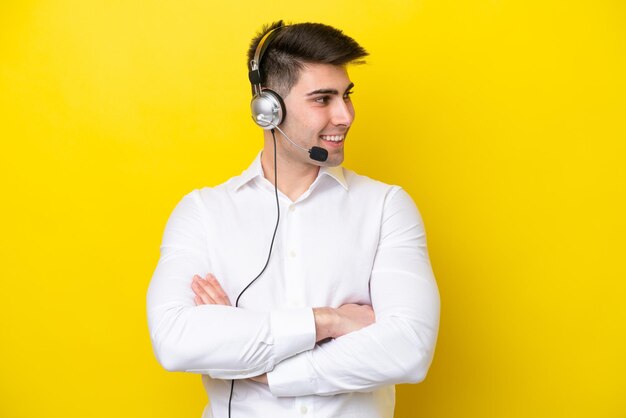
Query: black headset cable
(232, 382)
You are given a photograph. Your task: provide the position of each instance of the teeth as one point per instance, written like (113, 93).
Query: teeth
(334, 138)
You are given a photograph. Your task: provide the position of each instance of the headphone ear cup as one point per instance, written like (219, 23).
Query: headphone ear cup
(268, 109)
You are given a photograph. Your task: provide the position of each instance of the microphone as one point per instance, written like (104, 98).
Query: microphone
(316, 153)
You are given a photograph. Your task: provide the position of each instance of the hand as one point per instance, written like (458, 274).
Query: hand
(353, 317)
(208, 291)
(333, 323)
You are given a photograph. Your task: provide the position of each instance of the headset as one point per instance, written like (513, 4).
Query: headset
(268, 108)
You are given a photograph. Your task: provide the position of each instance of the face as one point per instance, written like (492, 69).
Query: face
(319, 113)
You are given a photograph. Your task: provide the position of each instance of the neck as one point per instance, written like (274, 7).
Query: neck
(294, 178)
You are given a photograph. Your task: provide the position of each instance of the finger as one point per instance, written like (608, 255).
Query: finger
(198, 300)
(209, 290)
(199, 289)
(215, 290)
(219, 294)
(204, 297)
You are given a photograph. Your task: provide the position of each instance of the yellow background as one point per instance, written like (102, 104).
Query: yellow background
(503, 119)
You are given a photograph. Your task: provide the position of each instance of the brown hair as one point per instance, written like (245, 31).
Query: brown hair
(298, 44)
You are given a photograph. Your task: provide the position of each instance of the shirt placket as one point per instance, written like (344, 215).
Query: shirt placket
(293, 258)
(294, 269)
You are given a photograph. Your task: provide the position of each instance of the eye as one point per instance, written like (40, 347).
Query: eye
(346, 95)
(322, 99)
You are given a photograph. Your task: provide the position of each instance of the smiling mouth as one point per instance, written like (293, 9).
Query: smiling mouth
(333, 138)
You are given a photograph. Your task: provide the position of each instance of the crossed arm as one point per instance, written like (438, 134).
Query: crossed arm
(358, 354)
(329, 322)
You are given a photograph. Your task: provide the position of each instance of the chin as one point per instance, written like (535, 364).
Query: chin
(332, 161)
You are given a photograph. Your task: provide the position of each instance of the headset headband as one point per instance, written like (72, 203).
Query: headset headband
(254, 75)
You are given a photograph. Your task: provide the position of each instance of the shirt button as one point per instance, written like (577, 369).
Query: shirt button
(292, 254)
(304, 409)
(292, 208)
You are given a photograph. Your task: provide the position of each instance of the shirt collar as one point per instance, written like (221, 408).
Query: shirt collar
(335, 173)
(256, 170)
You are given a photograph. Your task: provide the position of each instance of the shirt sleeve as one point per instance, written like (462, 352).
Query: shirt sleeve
(399, 346)
(222, 341)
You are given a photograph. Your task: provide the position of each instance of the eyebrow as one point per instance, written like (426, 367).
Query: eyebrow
(329, 91)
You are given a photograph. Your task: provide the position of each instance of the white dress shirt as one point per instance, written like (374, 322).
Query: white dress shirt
(348, 239)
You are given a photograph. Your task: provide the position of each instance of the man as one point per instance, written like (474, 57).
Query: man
(321, 312)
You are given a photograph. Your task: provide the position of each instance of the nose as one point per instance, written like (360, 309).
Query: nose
(343, 113)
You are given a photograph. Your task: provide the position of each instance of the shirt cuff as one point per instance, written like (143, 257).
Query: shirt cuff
(293, 377)
(293, 331)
